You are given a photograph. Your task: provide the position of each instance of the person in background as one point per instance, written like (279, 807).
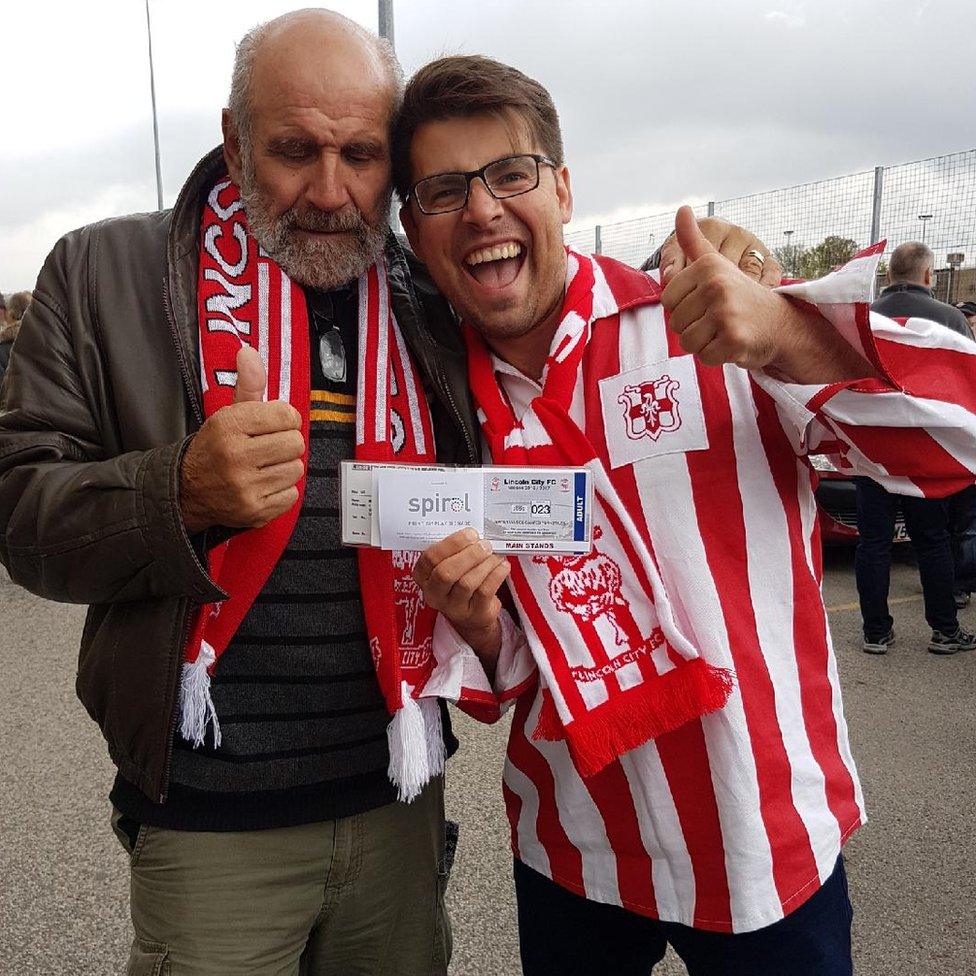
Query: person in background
(17, 305)
(908, 294)
(942, 531)
(12, 313)
(968, 309)
(4, 359)
(962, 516)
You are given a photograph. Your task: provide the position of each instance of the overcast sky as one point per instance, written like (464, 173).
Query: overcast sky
(661, 102)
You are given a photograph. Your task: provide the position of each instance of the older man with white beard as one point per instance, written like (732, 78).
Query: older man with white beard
(183, 389)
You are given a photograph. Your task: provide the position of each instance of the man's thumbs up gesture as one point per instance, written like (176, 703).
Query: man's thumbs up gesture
(721, 314)
(242, 467)
(252, 377)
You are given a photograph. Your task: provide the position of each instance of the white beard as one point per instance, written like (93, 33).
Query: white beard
(323, 263)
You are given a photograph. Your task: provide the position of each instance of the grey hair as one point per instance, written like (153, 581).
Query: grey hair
(910, 261)
(239, 102)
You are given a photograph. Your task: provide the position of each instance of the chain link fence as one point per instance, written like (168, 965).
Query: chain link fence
(813, 225)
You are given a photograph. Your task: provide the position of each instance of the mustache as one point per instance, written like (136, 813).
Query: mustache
(325, 222)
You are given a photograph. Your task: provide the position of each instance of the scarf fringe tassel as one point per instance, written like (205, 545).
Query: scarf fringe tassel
(196, 706)
(416, 741)
(659, 705)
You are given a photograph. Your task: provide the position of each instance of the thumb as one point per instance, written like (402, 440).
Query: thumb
(251, 376)
(689, 236)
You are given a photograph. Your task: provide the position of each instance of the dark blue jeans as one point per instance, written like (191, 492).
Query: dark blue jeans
(928, 528)
(562, 934)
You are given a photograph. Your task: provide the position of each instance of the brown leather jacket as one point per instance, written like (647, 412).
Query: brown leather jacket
(100, 400)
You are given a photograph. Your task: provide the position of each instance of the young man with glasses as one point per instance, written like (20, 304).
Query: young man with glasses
(649, 802)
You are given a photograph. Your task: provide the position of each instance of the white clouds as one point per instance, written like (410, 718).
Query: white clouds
(24, 246)
(792, 21)
(75, 72)
(660, 102)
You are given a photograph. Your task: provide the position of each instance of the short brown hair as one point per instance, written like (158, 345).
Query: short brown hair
(466, 85)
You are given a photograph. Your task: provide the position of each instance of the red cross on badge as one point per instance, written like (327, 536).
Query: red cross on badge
(651, 408)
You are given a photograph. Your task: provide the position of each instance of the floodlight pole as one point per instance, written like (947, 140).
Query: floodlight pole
(152, 95)
(925, 218)
(385, 21)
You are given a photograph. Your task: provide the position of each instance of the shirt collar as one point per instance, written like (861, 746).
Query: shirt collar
(616, 288)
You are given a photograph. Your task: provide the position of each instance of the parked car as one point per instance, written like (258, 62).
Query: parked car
(837, 504)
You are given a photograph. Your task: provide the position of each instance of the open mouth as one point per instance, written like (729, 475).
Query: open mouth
(497, 266)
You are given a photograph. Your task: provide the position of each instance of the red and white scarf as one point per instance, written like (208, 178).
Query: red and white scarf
(616, 671)
(244, 297)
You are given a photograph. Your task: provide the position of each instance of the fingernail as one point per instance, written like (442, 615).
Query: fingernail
(470, 535)
(486, 547)
(666, 273)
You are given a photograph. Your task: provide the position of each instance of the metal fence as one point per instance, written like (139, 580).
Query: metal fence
(932, 200)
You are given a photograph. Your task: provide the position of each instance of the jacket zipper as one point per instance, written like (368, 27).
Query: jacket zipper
(184, 367)
(185, 624)
(171, 735)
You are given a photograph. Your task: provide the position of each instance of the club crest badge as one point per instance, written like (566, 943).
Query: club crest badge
(651, 408)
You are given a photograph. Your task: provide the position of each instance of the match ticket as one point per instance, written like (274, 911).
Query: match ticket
(406, 506)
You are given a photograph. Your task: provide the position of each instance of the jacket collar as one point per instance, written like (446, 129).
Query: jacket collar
(182, 259)
(903, 286)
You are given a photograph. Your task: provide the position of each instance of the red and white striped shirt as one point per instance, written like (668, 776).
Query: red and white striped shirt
(732, 821)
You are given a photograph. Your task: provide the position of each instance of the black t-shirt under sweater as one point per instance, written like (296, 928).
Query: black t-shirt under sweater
(302, 718)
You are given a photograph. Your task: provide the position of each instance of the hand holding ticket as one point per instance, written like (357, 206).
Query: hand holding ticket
(410, 507)
(460, 576)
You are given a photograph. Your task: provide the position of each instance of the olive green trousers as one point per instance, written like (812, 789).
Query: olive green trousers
(360, 896)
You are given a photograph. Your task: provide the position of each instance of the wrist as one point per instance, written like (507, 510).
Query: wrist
(796, 335)
(811, 350)
(485, 641)
(194, 517)
(193, 526)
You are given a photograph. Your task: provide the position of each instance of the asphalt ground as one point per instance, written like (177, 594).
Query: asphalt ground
(912, 717)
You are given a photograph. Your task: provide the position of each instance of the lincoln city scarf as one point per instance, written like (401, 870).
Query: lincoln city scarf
(244, 297)
(615, 669)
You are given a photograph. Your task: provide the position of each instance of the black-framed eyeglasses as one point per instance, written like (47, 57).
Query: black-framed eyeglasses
(503, 178)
